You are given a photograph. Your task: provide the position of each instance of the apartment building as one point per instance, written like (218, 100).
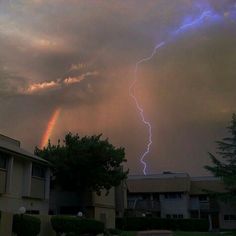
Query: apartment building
(177, 195)
(24, 179)
(100, 207)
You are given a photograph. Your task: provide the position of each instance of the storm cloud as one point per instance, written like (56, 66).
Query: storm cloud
(80, 56)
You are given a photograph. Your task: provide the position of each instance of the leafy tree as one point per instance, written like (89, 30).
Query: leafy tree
(87, 163)
(225, 166)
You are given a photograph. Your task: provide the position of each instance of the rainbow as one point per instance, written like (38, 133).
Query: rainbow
(50, 126)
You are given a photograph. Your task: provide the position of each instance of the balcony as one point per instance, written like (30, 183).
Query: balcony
(205, 206)
(139, 204)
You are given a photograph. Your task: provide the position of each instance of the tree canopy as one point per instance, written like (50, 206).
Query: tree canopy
(87, 163)
(224, 166)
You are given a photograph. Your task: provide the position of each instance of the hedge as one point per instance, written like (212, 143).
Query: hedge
(74, 225)
(25, 225)
(148, 223)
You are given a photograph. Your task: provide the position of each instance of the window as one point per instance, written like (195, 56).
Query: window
(156, 197)
(230, 217)
(38, 171)
(203, 198)
(168, 216)
(146, 196)
(3, 160)
(173, 195)
(180, 216)
(204, 215)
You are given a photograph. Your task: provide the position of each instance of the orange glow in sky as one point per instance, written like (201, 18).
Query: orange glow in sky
(51, 124)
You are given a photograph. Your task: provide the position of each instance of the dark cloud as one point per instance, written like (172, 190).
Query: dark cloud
(187, 89)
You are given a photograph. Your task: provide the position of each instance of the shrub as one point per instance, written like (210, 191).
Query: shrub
(114, 231)
(143, 223)
(25, 225)
(74, 225)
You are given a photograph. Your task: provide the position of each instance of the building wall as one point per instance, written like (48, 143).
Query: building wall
(18, 190)
(104, 208)
(227, 209)
(6, 224)
(106, 215)
(3, 177)
(103, 199)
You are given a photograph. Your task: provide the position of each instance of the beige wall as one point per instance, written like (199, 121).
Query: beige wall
(104, 208)
(37, 188)
(17, 187)
(106, 215)
(103, 199)
(3, 175)
(17, 178)
(6, 224)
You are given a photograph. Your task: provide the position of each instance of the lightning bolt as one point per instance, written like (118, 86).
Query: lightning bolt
(187, 25)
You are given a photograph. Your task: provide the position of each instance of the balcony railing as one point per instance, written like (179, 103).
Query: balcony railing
(204, 205)
(139, 204)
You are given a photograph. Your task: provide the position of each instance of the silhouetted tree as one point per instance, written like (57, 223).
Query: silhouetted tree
(87, 163)
(225, 165)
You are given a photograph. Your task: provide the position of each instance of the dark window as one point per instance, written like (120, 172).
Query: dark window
(168, 216)
(226, 217)
(38, 171)
(146, 196)
(156, 197)
(230, 217)
(157, 214)
(175, 216)
(194, 214)
(70, 210)
(50, 212)
(203, 198)
(173, 195)
(3, 160)
(203, 215)
(180, 216)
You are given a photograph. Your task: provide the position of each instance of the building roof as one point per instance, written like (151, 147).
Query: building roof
(13, 146)
(168, 182)
(199, 185)
(174, 182)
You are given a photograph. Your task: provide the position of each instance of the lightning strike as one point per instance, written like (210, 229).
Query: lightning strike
(201, 19)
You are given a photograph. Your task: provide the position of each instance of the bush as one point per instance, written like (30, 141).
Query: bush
(25, 225)
(74, 225)
(143, 223)
(111, 231)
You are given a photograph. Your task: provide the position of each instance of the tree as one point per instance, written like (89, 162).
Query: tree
(87, 163)
(225, 166)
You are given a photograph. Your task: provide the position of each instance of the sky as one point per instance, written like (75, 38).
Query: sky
(66, 66)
